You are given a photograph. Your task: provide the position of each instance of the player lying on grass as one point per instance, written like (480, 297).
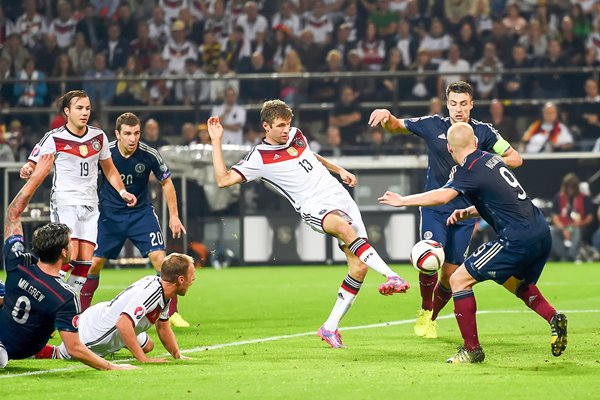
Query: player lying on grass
(285, 161)
(37, 301)
(515, 259)
(107, 327)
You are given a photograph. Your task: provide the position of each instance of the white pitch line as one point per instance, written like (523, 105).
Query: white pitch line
(282, 337)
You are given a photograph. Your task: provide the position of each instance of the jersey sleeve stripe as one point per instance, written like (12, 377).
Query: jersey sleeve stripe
(48, 134)
(152, 151)
(152, 298)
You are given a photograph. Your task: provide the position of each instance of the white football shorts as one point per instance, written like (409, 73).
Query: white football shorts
(83, 220)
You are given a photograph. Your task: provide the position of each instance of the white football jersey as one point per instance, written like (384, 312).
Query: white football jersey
(75, 179)
(291, 168)
(143, 302)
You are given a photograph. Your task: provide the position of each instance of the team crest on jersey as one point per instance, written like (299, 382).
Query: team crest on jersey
(427, 235)
(96, 145)
(292, 151)
(83, 150)
(139, 168)
(139, 312)
(17, 248)
(163, 167)
(299, 142)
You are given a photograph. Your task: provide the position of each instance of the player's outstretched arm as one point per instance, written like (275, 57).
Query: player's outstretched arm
(114, 177)
(177, 228)
(512, 158)
(167, 338)
(387, 121)
(223, 177)
(12, 224)
(80, 352)
(347, 177)
(426, 199)
(124, 326)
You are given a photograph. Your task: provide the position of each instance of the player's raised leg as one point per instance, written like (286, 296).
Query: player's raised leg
(336, 224)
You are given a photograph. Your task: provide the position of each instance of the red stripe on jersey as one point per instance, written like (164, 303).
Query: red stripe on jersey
(28, 272)
(153, 316)
(86, 149)
(473, 162)
(294, 150)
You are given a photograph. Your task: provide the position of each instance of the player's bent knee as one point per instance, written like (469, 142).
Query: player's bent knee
(149, 346)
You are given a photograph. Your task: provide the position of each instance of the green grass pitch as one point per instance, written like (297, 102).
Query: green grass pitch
(253, 337)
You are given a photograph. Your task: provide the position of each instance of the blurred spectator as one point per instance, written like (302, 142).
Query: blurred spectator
(535, 42)
(158, 27)
(392, 88)
(6, 88)
(351, 21)
(288, 18)
(115, 48)
(48, 53)
(293, 90)
(62, 69)
(33, 90)
(377, 143)
(159, 90)
(15, 53)
(573, 47)
(192, 90)
(503, 123)
(318, 22)
(547, 134)
(458, 11)
(218, 22)
(517, 85)
(210, 52)
(81, 55)
(142, 9)
(102, 91)
(6, 26)
(203, 136)
(588, 115)
(371, 49)
(92, 28)
(177, 49)
(342, 43)
(572, 211)
(489, 70)
(6, 154)
(435, 107)
(333, 146)
(252, 22)
(127, 24)
(581, 22)
(194, 29)
(309, 52)
(346, 115)
(417, 20)
(63, 27)
(151, 134)
(406, 43)
(453, 69)
(252, 136)
(235, 9)
(469, 44)
(514, 22)
(555, 85)
(16, 141)
(222, 79)
(31, 26)
(502, 41)
(232, 116)
(484, 23)
(593, 39)
(327, 89)
(423, 87)
(189, 135)
(171, 8)
(142, 46)
(436, 42)
(384, 19)
(105, 9)
(253, 90)
(281, 46)
(236, 50)
(131, 92)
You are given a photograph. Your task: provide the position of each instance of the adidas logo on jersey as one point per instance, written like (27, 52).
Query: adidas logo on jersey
(67, 147)
(276, 156)
(442, 136)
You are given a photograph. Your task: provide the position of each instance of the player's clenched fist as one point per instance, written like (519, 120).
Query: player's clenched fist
(27, 170)
(129, 198)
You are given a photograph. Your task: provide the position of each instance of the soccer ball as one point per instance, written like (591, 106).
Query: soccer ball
(427, 256)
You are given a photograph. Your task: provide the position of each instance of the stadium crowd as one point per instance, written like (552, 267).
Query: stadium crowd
(473, 40)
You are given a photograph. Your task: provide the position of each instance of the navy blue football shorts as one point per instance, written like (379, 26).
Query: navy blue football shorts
(139, 226)
(455, 238)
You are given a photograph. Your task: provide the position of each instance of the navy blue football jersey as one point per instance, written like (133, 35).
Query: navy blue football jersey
(502, 202)
(135, 172)
(35, 303)
(433, 130)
